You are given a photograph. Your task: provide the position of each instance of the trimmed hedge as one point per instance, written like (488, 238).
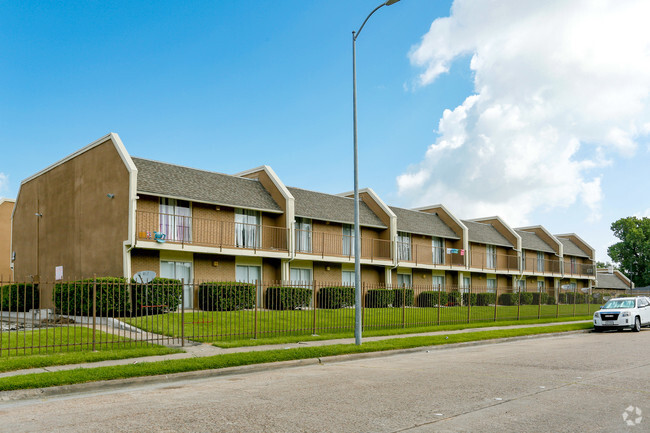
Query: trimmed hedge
(550, 300)
(75, 298)
(485, 299)
(568, 298)
(335, 297)
(19, 297)
(453, 298)
(157, 296)
(379, 298)
(226, 296)
(471, 297)
(402, 295)
(430, 298)
(287, 298)
(540, 298)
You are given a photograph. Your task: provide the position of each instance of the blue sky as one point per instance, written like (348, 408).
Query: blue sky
(231, 85)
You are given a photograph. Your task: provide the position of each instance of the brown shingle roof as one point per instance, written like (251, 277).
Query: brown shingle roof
(422, 223)
(483, 233)
(170, 180)
(328, 207)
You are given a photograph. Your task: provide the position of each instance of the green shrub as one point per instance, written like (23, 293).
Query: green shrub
(470, 298)
(453, 298)
(76, 297)
(526, 298)
(509, 299)
(550, 300)
(157, 296)
(539, 298)
(570, 298)
(402, 295)
(379, 298)
(430, 298)
(485, 299)
(19, 297)
(226, 296)
(335, 297)
(287, 298)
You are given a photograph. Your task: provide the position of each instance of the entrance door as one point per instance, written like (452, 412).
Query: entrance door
(179, 271)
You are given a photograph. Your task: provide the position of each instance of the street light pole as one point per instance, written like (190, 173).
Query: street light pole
(357, 232)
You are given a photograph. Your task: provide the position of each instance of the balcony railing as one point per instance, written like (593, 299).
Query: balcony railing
(499, 262)
(578, 268)
(426, 255)
(340, 245)
(542, 266)
(208, 232)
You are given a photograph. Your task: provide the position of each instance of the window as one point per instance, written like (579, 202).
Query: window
(347, 278)
(175, 219)
(438, 281)
(247, 228)
(248, 274)
(491, 255)
(540, 261)
(303, 235)
(179, 271)
(403, 246)
(491, 285)
(348, 240)
(438, 249)
(540, 286)
(467, 282)
(573, 265)
(301, 277)
(523, 260)
(521, 285)
(403, 280)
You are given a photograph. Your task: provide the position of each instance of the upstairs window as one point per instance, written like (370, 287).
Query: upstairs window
(248, 228)
(540, 261)
(491, 256)
(438, 250)
(175, 220)
(303, 235)
(404, 246)
(348, 240)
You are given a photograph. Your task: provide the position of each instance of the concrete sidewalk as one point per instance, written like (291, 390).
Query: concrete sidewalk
(196, 350)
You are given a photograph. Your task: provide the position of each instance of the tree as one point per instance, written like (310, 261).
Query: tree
(632, 253)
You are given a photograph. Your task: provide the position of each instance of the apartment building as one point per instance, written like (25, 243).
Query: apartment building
(6, 208)
(102, 212)
(612, 279)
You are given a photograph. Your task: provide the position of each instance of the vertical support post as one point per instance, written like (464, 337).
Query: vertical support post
(539, 305)
(469, 303)
(94, 309)
(574, 300)
(439, 298)
(496, 302)
(557, 303)
(404, 307)
(314, 294)
(255, 314)
(182, 312)
(518, 302)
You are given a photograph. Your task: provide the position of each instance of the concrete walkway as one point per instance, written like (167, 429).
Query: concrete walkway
(196, 350)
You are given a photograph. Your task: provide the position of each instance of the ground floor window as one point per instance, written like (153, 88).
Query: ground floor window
(491, 285)
(404, 280)
(347, 278)
(179, 271)
(438, 282)
(301, 277)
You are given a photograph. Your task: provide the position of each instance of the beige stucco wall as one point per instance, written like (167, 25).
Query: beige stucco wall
(81, 228)
(5, 241)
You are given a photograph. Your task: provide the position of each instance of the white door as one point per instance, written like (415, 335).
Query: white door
(179, 271)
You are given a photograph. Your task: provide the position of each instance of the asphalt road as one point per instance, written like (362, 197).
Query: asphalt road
(572, 383)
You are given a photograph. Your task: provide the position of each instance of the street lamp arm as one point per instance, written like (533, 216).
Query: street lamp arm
(356, 34)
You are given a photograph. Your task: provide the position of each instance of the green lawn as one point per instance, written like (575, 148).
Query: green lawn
(41, 380)
(237, 325)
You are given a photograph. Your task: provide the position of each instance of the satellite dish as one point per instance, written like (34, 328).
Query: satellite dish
(585, 290)
(566, 286)
(144, 277)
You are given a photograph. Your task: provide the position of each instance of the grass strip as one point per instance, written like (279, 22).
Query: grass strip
(390, 331)
(43, 380)
(41, 361)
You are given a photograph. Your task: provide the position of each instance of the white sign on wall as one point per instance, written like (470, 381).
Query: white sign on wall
(58, 273)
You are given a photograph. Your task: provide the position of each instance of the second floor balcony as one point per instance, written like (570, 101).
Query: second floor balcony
(340, 245)
(498, 262)
(187, 230)
(429, 255)
(542, 266)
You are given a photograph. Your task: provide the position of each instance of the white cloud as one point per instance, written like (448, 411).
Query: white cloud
(560, 89)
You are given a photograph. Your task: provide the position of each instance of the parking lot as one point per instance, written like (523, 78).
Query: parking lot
(579, 382)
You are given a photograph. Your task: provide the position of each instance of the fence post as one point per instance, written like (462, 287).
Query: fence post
(518, 302)
(183, 312)
(539, 305)
(94, 309)
(496, 302)
(439, 304)
(255, 316)
(574, 300)
(404, 307)
(315, 305)
(557, 304)
(363, 305)
(589, 302)
(469, 303)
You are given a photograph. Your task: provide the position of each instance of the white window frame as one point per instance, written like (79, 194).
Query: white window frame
(175, 220)
(404, 246)
(406, 279)
(490, 256)
(248, 228)
(438, 281)
(347, 278)
(540, 261)
(348, 240)
(303, 235)
(438, 250)
(491, 285)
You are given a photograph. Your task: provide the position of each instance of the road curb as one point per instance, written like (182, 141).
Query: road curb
(28, 394)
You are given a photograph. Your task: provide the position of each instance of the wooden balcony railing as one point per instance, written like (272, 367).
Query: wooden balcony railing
(426, 255)
(340, 245)
(210, 233)
(500, 262)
